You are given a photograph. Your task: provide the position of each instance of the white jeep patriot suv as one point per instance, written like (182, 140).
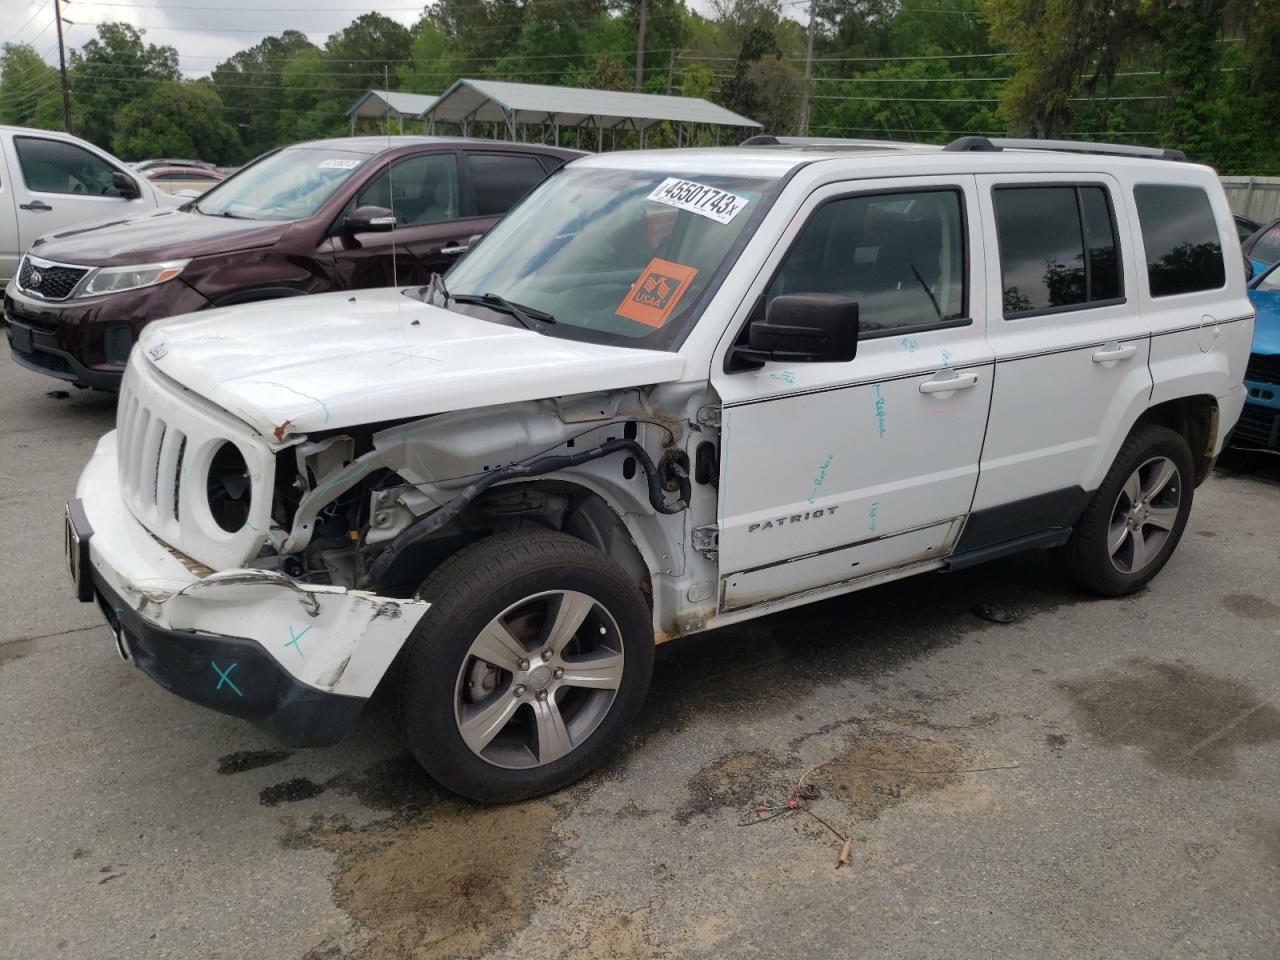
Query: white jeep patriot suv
(671, 390)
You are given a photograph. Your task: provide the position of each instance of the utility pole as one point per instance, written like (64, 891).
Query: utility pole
(62, 68)
(808, 74)
(644, 20)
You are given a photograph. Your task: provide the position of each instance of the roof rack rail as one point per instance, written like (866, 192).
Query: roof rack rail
(769, 140)
(985, 144)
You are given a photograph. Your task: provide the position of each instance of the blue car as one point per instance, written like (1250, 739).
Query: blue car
(1259, 424)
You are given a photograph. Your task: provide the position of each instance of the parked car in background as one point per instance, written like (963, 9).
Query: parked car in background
(1245, 227)
(189, 180)
(1262, 247)
(1259, 424)
(313, 217)
(51, 180)
(145, 165)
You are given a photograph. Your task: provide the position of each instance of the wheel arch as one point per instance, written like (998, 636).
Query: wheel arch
(256, 295)
(1195, 419)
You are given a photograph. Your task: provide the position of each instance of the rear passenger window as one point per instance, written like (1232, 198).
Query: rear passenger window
(1058, 248)
(502, 179)
(900, 255)
(1184, 251)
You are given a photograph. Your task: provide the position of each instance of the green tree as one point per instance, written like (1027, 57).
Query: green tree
(27, 85)
(249, 84)
(176, 119)
(778, 87)
(112, 69)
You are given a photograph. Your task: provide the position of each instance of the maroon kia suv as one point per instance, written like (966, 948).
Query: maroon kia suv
(314, 217)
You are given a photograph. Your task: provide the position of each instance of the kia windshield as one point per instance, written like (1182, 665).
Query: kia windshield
(289, 185)
(613, 256)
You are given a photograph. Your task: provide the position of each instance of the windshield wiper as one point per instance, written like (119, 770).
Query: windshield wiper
(529, 316)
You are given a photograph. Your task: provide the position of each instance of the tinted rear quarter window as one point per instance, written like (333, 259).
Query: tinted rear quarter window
(1184, 251)
(1057, 248)
(502, 179)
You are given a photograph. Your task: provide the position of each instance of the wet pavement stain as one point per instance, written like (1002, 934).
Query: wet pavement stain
(251, 760)
(15, 650)
(290, 791)
(455, 884)
(1251, 607)
(1188, 722)
(881, 770)
(736, 779)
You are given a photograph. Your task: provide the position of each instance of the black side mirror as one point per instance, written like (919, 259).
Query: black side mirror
(801, 328)
(125, 185)
(369, 219)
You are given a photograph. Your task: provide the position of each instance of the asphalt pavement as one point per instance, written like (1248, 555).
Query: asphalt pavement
(1095, 778)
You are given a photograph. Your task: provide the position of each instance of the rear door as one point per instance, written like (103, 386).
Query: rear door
(60, 183)
(423, 190)
(1071, 349)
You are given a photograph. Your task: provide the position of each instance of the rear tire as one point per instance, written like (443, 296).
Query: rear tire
(530, 664)
(1136, 517)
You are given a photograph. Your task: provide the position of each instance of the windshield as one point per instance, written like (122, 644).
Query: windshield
(620, 256)
(288, 185)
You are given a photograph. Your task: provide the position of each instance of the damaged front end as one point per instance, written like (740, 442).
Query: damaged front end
(275, 577)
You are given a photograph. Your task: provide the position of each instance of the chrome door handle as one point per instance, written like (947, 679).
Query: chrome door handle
(962, 381)
(38, 205)
(1113, 352)
(455, 249)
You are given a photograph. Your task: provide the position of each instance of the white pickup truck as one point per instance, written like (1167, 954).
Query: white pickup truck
(51, 180)
(671, 390)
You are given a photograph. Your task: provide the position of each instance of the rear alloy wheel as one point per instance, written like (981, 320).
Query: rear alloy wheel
(1144, 515)
(1136, 517)
(534, 657)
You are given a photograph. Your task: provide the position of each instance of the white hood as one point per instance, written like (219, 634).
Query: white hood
(340, 359)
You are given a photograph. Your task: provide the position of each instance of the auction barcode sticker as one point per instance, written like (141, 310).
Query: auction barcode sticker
(338, 163)
(719, 205)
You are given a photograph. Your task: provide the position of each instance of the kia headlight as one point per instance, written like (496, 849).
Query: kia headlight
(118, 279)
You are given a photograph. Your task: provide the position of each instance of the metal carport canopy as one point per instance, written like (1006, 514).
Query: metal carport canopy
(377, 103)
(501, 102)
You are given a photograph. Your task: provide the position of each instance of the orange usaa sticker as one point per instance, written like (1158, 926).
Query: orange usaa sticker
(656, 292)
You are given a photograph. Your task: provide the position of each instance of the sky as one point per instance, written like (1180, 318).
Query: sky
(204, 32)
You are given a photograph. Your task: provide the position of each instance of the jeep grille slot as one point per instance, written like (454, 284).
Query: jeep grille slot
(177, 475)
(151, 460)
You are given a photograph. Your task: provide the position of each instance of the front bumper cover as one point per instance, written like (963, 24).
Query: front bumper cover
(297, 660)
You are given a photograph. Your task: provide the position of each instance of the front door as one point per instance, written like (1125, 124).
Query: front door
(63, 184)
(832, 472)
(423, 192)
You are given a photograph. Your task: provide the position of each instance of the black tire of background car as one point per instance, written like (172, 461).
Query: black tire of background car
(465, 593)
(1085, 555)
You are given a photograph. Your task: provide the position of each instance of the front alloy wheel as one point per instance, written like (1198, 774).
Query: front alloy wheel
(532, 660)
(539, 679)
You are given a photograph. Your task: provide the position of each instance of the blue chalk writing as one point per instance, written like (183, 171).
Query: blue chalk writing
(872, 513)
(294, 638)
(786, 376)
(946, 358)
(410, 356)
(879, 411)
(910, 344)
(224, 676)
(821, 478)
(283, 386)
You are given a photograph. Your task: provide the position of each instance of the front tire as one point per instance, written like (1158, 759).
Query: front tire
(1136, 517)
(533, 659)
